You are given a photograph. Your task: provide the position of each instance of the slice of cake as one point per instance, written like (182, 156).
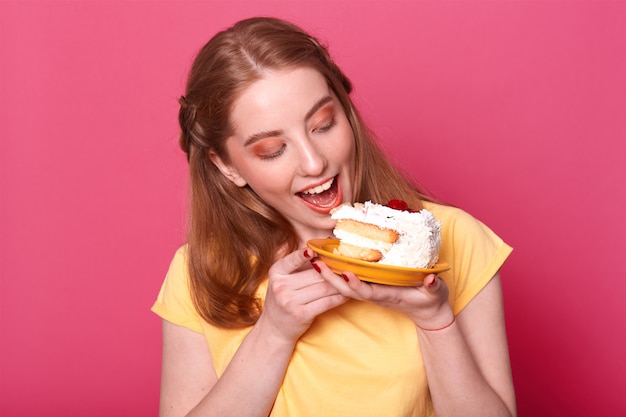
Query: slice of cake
(377, 233)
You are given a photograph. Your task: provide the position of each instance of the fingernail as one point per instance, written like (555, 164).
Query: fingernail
(345, 277)
(317, 268)
(306, 254)
(432, 284)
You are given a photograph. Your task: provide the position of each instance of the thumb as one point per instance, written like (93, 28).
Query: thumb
(431, 281)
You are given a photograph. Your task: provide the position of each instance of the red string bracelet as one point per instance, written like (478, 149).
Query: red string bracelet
(439, 328)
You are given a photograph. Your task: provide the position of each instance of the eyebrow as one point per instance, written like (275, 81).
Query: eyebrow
(269, 133)
(318, 105)
(261, 135)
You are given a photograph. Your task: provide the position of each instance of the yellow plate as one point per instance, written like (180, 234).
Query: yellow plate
(371, 271)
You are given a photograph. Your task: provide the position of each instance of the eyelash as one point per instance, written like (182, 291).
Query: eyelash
(321, 129)
(275, 154)
(327, 127)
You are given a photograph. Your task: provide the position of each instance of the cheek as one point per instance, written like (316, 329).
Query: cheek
(345, 148)
(268, 182)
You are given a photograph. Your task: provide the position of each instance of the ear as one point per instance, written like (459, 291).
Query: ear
(228, 170)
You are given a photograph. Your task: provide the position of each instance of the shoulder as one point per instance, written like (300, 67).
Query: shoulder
(179, 261)
(450, 216)
(458, 227)
(174, 302)
(474, 252)
(177, 278)
(178, 272)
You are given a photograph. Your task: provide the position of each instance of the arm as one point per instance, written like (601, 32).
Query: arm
(187, 372)
(467, 363)
(190, 386)
(248, 387)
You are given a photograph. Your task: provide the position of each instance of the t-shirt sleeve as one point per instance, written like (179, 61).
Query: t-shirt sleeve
(474, 252)
(174, 302)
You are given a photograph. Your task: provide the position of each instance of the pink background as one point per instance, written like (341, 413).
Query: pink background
(514, 110)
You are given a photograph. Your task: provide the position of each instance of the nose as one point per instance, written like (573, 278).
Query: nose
(312, 160)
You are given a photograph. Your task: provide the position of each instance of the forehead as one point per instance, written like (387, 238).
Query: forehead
(278, 95)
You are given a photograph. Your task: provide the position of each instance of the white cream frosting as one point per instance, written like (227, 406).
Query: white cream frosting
(419, 232)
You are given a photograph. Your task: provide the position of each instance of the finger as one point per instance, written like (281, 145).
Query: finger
(386, 295)
(309, 296)
(434, 284)
(337, 281)
(435, 287)
(293, 262)
(321, 305)
(431, 281)
(377, 293)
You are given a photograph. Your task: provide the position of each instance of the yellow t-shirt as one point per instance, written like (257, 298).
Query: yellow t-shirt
(358, 359)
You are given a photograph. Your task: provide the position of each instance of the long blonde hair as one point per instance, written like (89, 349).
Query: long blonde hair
(233, 234)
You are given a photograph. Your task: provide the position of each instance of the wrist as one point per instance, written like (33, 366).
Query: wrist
(437, 328)
(273, 335)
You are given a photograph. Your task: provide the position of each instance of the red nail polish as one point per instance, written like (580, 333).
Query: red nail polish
(317, 268)
(345, 277)
(306, 254)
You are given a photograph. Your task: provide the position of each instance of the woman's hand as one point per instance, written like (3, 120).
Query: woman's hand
(425, 304)
(467, 364)
(296, 294)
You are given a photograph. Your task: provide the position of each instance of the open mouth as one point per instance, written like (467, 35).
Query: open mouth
(323, 197)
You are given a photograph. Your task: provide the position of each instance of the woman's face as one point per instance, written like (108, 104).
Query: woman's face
(293, 145)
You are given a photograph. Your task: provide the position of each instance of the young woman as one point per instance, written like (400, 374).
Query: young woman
(253, 323)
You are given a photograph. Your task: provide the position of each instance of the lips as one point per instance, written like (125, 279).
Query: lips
(322, 198)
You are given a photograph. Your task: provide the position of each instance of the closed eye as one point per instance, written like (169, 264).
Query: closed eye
(268, 148)
(327, 126)
(273, 154)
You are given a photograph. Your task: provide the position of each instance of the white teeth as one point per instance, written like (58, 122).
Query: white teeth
(320, 188)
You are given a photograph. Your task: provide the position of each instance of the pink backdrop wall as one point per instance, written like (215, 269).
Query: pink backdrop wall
(514, 110)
